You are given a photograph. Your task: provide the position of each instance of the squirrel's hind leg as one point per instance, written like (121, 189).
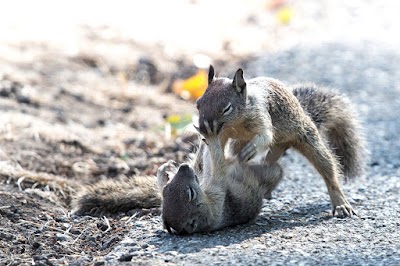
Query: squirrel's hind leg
(314, 149)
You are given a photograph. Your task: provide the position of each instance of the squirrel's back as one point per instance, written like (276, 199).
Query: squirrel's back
(337, 122)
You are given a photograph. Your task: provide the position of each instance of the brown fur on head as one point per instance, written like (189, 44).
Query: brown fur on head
(223, 100)
(182, 198)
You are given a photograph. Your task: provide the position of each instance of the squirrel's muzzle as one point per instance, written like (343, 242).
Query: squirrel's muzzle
(185, 169)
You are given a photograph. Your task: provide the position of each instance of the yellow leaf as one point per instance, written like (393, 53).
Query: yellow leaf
(174, 119)
(285, 15)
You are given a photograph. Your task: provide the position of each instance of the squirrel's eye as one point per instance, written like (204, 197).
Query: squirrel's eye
(191, 193)
(227, 109)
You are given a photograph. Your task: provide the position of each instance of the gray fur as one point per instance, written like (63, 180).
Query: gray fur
(338, 123)
(228, 192)
(317, 122)
(270, 117)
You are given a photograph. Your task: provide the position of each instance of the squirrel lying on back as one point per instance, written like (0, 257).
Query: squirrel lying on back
(249, 117)
(216, 192)
(211, 194)
(265, 114)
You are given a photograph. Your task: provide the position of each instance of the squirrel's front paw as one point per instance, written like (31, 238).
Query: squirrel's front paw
(248, 152)
(343, 211)
(212, 131)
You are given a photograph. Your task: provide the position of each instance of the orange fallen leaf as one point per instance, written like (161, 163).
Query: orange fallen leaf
(193, 87)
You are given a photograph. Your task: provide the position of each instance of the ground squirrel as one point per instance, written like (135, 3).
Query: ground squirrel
(218, 194)
(265, 114)
(210, 194)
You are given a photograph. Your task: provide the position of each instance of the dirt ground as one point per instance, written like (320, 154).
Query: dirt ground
(68, 121)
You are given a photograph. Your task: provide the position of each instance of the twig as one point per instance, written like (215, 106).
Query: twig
(131, 217)
(66, 214)
(104, 219)
(41, 229)
(76, 239)
(38, 225)
(19, 181)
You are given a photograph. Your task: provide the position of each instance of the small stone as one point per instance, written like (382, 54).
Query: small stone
(35, 245)
(62, 237)
(126, 257)
(110, 242)
(172, 253)
(75, 231)
(297, 211)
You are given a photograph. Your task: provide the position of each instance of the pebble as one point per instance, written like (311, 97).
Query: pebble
(62, 237)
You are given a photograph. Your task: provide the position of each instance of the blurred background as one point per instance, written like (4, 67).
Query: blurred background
(167, 34)
(199, 26)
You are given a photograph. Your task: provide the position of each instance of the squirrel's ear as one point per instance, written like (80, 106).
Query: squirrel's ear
(165, 174)
(211, 74)
(238, 81)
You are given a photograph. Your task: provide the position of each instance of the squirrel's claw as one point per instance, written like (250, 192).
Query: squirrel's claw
(197, 128)
(248, 152)
(207, 126)
(343, 211)
(212, 131)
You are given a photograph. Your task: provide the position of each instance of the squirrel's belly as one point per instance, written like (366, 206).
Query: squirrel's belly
(239, 132)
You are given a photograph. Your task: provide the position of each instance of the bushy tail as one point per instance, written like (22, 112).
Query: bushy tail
(110, 197)
(338, 123)
(140, 192)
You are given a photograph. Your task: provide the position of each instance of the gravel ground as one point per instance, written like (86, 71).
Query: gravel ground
(295, 228)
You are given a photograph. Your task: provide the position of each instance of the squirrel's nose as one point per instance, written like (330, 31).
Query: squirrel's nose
(186, 171)
(184, 167)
